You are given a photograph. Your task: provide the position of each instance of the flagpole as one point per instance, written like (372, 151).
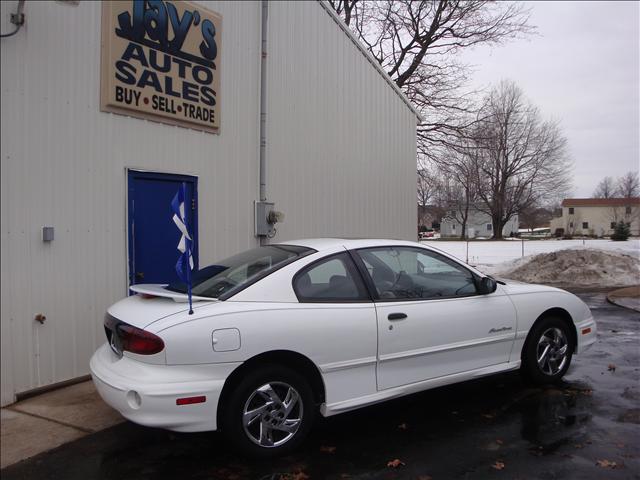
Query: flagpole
(186, 240)
(189, 280)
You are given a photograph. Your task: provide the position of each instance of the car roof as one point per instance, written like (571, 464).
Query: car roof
(321, 244)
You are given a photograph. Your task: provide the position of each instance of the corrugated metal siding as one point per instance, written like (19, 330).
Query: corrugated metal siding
(341, 143)
(341, 161)
(63, 164)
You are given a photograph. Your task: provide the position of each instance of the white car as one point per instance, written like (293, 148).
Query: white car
(282, 331)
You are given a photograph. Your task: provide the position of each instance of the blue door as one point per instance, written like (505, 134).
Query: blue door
(153, 237)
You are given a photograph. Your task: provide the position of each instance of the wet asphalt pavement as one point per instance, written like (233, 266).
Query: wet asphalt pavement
(497, 427)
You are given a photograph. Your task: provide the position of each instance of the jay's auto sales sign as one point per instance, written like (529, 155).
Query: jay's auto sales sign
(160, 62)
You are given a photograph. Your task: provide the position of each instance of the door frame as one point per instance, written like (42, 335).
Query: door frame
(130, 173)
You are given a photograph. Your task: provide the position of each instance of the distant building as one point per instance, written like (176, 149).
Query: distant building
(478, 225)
(597, 216)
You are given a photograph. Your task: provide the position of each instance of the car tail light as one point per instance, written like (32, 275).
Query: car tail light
(136, 340)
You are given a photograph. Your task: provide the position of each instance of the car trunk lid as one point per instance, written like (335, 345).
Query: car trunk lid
(153, 303)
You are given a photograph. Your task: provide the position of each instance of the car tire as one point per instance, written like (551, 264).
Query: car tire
(547, 353)
(269, 412)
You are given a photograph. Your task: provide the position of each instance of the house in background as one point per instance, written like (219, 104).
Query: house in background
(478, 225)
(597, 216)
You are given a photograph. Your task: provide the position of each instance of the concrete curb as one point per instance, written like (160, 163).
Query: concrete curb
(628, 297)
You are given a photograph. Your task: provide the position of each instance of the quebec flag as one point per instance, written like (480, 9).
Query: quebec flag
(185, 246)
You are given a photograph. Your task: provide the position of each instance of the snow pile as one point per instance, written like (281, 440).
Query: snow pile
(578, 267)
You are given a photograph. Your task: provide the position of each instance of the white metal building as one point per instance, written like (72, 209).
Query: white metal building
(340, 161)
(479, 224)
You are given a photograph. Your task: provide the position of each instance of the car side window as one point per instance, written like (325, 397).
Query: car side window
(402, 273)
(332, 279)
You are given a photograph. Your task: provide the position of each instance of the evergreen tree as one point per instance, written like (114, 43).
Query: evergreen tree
(622, 231)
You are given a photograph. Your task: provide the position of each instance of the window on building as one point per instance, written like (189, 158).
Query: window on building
(453, 227)
(489, 227)
(627, 210)
(331, 280)
(570, 224)
(570, 210)
(585, 224)
(613, 224)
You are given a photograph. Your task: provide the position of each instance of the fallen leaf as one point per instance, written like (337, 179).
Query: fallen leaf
(299, 476)
(395, 463)
(606, 464)
(345, 475)
(537, 451)
(578, 445)
(325, 449)
(499, 442)
(488, 415)
(620, 445)
(611, 368)
(425, 477)
(498, 465)
(402, 426)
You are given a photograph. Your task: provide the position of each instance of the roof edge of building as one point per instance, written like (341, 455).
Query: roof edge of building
(327, 8)
(600, 202)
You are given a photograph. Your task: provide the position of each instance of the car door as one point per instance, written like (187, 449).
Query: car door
(335, 302)
(431, 320)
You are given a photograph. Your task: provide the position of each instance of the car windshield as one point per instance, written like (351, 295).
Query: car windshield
(234, 273)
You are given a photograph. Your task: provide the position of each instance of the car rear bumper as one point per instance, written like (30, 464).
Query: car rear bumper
(146, 394)
(587, 332)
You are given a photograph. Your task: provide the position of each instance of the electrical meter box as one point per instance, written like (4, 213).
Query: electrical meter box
(263, 227)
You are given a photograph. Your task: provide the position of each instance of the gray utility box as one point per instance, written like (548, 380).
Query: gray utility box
(263, 227)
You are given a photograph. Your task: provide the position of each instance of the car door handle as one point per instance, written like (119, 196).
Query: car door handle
(397, 316)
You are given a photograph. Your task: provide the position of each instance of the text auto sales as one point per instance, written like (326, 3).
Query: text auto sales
(147, 28)
(193, 87)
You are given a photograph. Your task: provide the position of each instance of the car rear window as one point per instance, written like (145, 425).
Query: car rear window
(229, 276)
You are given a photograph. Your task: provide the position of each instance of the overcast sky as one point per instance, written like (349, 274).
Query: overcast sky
(582, 68)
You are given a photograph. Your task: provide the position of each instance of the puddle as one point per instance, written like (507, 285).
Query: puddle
(554, 417)
(630, 416)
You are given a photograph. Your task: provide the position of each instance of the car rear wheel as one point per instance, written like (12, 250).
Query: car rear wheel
(548, 351)
(269, 412)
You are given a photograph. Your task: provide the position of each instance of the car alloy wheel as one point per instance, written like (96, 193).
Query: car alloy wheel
(272, 414)
(548, 350)
(552, 351)
(269, 411)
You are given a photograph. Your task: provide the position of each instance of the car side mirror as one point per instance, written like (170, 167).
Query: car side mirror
(487, 285)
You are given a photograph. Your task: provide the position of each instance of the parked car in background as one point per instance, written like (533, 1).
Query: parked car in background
(282, 332)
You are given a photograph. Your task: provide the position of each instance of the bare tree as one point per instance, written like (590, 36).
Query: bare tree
(426, 186)
(521, 159)
(534, 217)
(606, 188)
(459, 188)
(628, 185)
(417, 42)
(344, 8)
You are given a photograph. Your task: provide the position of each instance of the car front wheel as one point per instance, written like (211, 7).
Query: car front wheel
(269, 412)
(548, 351)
